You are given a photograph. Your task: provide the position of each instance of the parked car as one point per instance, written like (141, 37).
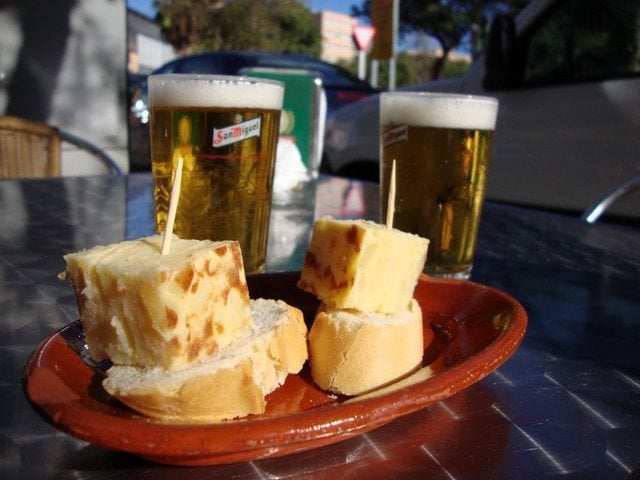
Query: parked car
(567, 75)
(340, 85)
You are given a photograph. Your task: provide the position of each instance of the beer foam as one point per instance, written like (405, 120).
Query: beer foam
(425, 109)
(214, 91)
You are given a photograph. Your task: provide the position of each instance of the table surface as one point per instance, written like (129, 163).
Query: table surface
(565, 405)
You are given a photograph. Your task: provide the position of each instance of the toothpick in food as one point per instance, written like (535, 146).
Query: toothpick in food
(173, 206)
(391, 199)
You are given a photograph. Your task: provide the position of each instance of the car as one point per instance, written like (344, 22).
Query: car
(340, 86)
(567, 76)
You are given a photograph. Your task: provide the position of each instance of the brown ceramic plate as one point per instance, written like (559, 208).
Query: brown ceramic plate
(470, 330)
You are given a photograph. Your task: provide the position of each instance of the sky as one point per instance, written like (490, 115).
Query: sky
(341, 6)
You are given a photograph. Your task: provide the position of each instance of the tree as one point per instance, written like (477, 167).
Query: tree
(446, 23)
(270, 25)
(186, 23)
(451, 22)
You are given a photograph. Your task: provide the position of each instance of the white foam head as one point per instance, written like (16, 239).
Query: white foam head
(189, 90)
(444, 110)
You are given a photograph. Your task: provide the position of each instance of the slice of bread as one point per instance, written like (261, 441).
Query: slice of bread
(231, 383)
(352, 352)
(139, 307)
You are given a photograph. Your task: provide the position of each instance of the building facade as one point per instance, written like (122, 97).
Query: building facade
(336, 30)
(146, 49)
(63, 63)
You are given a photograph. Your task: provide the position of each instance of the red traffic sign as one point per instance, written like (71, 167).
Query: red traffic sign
(363, 34)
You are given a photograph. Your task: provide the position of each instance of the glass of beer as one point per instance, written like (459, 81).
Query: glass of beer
(225, 129)
(441, 145)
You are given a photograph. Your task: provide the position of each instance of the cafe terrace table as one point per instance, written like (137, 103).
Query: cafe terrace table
(565, 405)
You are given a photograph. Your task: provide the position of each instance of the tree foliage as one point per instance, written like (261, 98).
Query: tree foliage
(453, 23)
(411, 68)
(269, 25)
(186, 23)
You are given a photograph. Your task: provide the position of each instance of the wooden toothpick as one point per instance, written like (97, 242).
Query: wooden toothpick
(173, 206)
(391, 200)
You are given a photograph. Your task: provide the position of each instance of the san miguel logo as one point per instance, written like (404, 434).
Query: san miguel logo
(394, 135)
(236, 133)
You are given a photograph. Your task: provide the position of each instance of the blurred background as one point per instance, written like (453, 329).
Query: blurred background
(566, 73)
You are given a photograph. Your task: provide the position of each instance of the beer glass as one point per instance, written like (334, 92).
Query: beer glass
(226, 131)
(441, 145)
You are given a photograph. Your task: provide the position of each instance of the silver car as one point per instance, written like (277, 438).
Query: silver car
(567, 74)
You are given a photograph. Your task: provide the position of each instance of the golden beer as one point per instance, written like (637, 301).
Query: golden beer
(441, 145)
(226, 131)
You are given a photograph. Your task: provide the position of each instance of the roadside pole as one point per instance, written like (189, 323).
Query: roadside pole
(363, 35)
(373, 78)
(394, 34)
(384, 17)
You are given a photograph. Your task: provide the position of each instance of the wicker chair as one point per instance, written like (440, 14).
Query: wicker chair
(28, 148)
(33, 149)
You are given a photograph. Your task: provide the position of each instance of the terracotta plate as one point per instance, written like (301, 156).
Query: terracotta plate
(470, 330)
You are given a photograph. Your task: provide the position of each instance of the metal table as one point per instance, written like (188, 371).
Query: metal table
(566, 405)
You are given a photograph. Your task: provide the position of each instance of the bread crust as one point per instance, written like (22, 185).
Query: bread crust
(352, 352)
(230, 384)
(219, 395)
